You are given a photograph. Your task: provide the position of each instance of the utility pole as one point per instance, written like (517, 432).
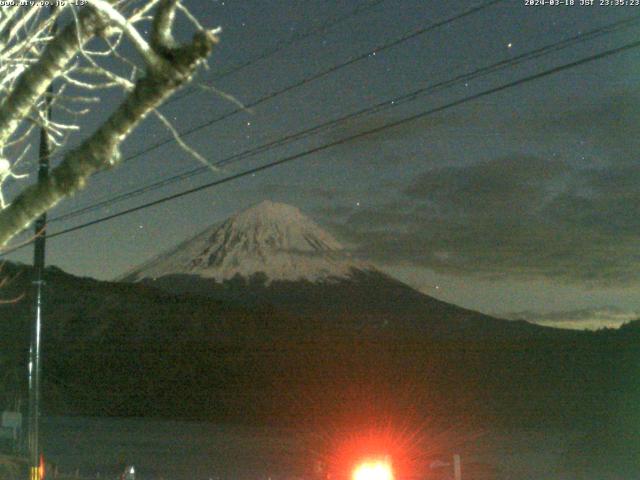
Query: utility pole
(35, 373)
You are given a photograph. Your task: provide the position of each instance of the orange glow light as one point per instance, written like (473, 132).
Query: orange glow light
(373, 470)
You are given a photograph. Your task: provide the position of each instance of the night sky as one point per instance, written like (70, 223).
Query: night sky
(524, 203)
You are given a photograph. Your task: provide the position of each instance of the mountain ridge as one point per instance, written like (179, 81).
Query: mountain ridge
(341, 291)
(254, 348)
(127, 349)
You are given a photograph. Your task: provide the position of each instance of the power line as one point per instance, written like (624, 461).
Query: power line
(316, 76)
(284, 44)
(466, 77)
(326, 25)
(347, 139)
(268, 53)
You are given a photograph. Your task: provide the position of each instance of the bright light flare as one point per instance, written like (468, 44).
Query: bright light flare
(373, 470)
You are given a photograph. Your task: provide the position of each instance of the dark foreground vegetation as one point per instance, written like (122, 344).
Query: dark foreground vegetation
(113, 349)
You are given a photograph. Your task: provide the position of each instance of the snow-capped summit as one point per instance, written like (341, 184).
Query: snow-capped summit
(271, 238)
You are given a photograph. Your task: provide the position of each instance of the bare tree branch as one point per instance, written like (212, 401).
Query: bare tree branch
(34, 81)
(174, 66)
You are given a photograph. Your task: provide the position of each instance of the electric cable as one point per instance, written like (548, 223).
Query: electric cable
(326, 146)
(384, 105)
(404, 38)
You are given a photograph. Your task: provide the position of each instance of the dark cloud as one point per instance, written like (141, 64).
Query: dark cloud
(603, 201)
(501, 187)
(517, 216)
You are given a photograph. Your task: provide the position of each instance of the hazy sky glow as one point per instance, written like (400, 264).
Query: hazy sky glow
(523, 201)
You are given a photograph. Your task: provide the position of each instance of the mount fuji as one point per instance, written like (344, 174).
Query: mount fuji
(272, 239)
(272, 254)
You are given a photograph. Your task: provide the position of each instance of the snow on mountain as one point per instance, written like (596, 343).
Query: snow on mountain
(273, 238)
